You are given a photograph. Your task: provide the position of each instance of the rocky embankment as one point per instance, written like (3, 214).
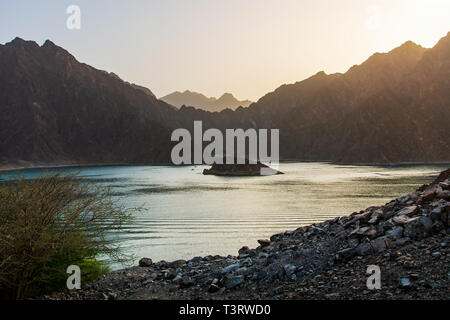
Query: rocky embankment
(408, 238)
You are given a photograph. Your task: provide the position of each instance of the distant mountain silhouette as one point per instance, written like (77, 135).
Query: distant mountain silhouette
(394, 107)
(198, 100)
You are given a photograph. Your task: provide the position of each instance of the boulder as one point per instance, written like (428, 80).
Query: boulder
(233, 281)
(418, 227)
(375, 216)
(364, 231)
(264, 242)
(186, 282)
(145, 262)
(395, 233)
(346, 254)
(364, 249)
(428, 195)
(382, 243)
(407, 211)
(230, 268)
(402, 241)
(403, 219)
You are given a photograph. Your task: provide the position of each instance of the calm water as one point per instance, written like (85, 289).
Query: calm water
(187, 214)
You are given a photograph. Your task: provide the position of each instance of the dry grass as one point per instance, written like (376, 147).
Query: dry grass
(49, 223)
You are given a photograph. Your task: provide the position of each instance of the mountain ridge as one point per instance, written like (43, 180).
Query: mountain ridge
(199, 100)
(392, 108)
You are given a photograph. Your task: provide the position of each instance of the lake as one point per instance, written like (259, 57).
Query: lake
(187, 214)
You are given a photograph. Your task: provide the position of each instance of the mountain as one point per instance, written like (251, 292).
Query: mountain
(55, 110)
(198, 100)
(393, 108)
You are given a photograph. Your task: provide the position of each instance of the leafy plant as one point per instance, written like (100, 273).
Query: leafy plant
(49, 223)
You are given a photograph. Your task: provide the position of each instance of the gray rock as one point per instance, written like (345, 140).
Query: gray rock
(346, 254)
(247, 261)
(364, 249)
(178, 278)
(408, 211)
(186, 282)
(426, 223)
(395, 233)
(402, 241)
(364, 231)
(428, 195)
(354, 242)
(177, 263)
(438, 213)
(242, 271)
(213, 288)
(375, 217)
(170, 274)
(145, 262)
(275, 271)
(379, 244)
(243, 250)
(289, 269)
(403, 219)
(278, 290)
(437, 227)
(405, 282)
(403, 199)
(262, 255)
(436, 254)
(418, 227)
(233, 281)
(230, 268)
(444, 185)
(445, 194)
(388, 224)
(264, 242)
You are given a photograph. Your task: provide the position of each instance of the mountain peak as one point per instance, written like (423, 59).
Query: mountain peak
(408, 46)
(49, 43)
(410, 43)
(226, 95)
(18, 42)
(199, 100)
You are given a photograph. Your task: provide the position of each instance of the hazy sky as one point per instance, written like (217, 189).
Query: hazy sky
(246, 47)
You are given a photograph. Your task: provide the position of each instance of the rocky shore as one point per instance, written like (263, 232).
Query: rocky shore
(239, 170)
(408, 238)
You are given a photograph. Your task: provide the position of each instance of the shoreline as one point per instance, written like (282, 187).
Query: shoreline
(9, 167)
(408, 238)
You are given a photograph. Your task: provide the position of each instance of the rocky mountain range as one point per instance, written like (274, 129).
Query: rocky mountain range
(198, 100)
(393, 108)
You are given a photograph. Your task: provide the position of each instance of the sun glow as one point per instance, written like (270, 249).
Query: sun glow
(247, 47)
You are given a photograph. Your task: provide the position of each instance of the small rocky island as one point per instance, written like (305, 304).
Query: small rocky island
(247, 169)
(408, 238)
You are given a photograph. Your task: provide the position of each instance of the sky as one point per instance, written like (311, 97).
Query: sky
(246, 47)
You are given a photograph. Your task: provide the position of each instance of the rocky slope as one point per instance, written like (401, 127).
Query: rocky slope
(408, 238)
(198, 100)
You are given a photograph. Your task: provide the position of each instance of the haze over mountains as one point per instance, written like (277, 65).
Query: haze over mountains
(198, 100)
(395, 107)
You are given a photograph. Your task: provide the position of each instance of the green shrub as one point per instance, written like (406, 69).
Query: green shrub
(49, 223)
